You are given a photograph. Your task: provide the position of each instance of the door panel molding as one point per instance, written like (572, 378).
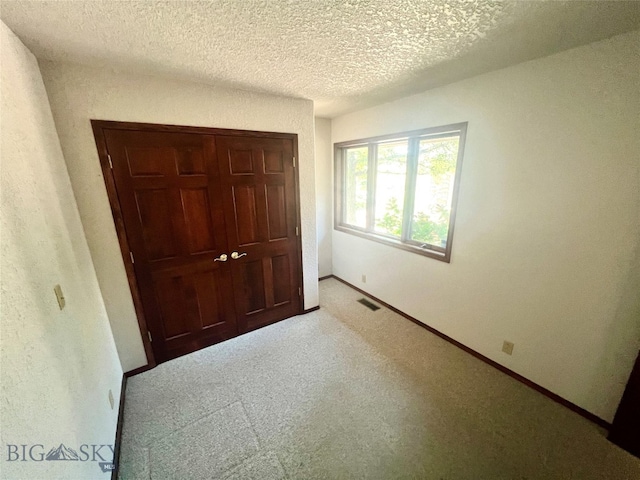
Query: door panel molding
(269, 166)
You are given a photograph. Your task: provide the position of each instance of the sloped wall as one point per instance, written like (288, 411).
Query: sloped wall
(57, 365)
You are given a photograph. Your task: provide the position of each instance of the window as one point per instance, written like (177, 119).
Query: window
(401, 189)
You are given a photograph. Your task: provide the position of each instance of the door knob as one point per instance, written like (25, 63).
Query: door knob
(236, 255)
(221, 258)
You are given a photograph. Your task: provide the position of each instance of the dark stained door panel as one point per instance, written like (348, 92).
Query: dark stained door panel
(625, 430)
(211, 221)
(259, 201)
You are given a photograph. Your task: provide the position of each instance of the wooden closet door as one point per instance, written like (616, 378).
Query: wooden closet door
(260, 207)
(169, 189)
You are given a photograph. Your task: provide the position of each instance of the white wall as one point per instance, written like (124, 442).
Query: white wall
(57, 366)
(545, 252)
(79, 93)
(324, 193)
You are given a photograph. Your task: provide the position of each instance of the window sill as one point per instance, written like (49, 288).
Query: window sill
(425, 252)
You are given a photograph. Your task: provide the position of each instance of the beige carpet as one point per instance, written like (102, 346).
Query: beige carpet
(344, 393)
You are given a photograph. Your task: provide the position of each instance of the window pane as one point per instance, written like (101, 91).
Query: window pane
(434, 190)
(391, 175)
(355, 186)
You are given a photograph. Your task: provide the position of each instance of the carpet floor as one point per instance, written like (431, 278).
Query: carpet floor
(346, 392)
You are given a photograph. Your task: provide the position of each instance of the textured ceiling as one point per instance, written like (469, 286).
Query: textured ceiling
(343, 54)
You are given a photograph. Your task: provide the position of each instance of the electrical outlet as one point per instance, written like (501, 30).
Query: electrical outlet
(111, 400)
(364, 278)
(507, 347)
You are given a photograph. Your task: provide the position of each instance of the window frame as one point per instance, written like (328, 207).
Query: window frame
(413, 138)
